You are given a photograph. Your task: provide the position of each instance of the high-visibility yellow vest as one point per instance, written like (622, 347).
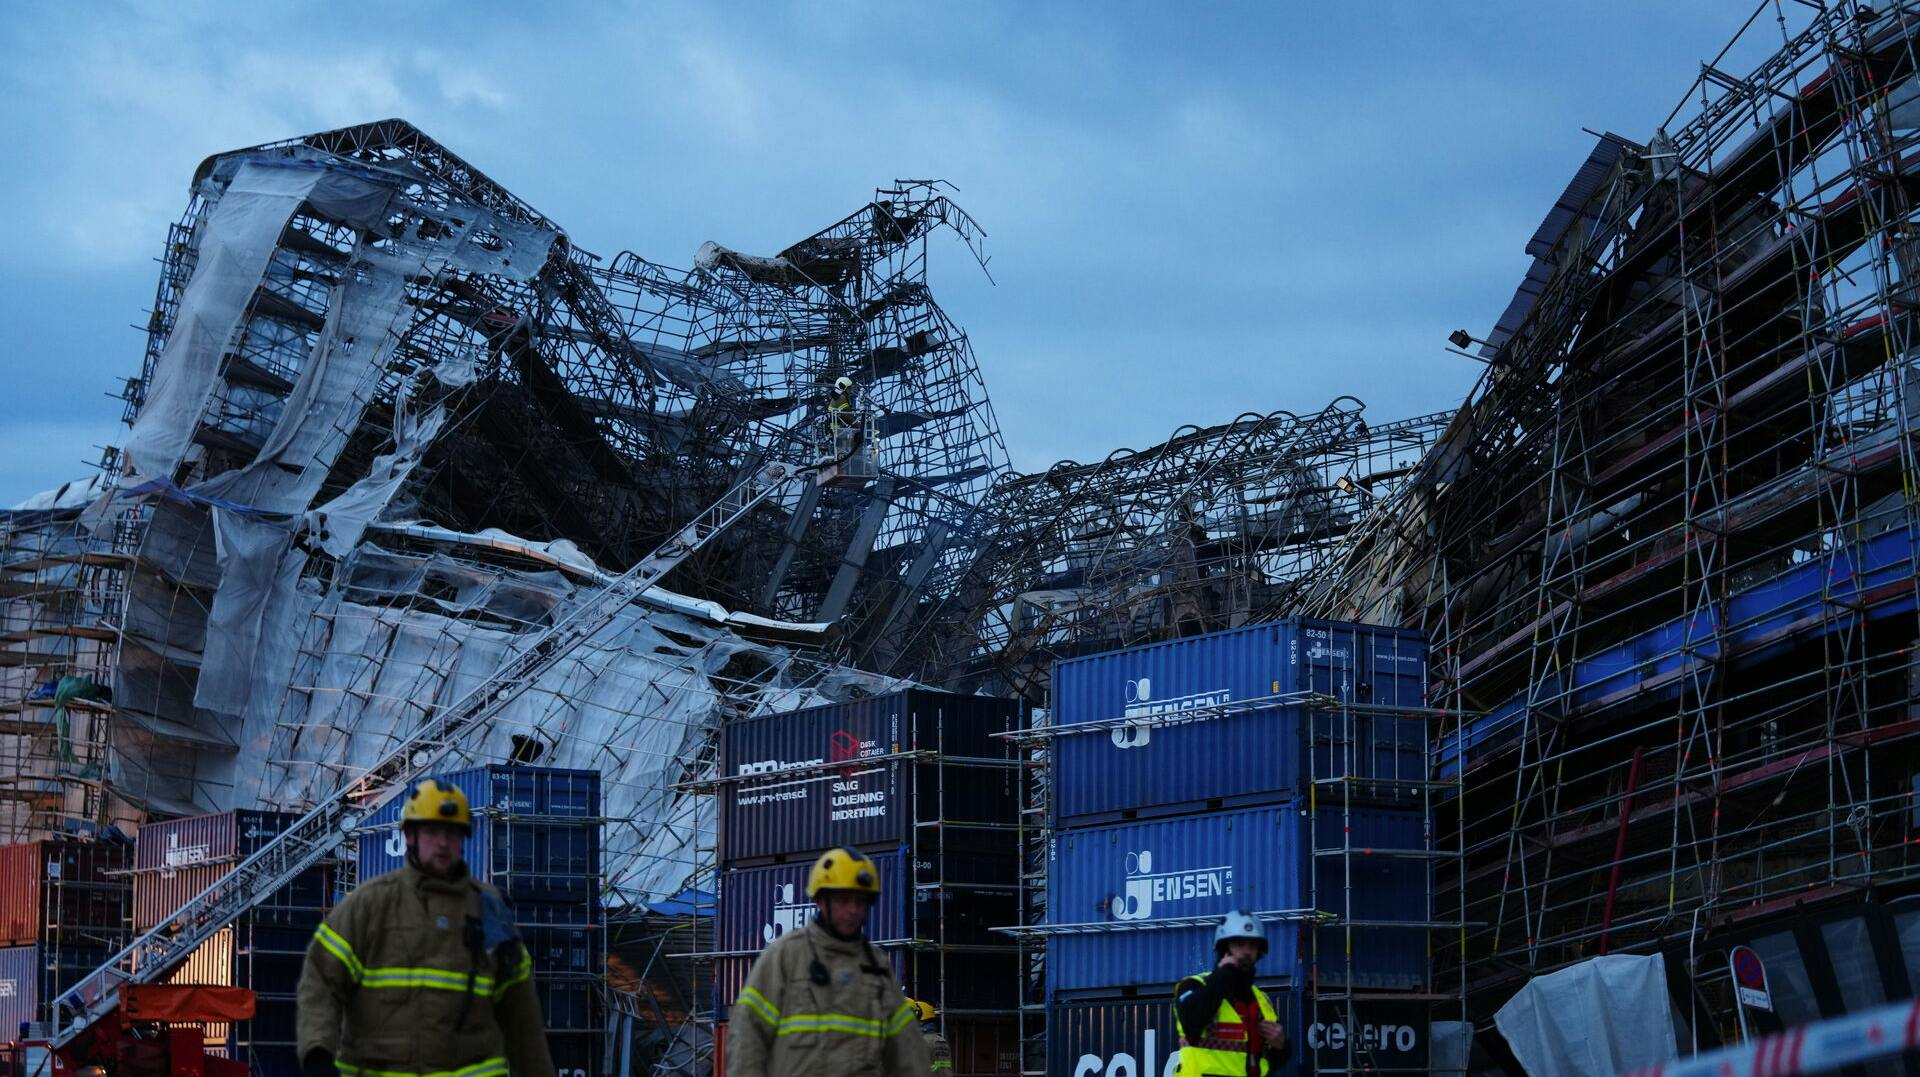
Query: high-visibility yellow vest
(1222, 1051)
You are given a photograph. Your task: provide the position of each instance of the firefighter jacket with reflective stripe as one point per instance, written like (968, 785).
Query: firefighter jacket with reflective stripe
(398, 982)
(1224, 1047)
(857, 1024)
(939, 1055)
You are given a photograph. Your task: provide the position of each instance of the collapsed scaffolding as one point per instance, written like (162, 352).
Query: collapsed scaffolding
(1208, 530)
(390, 421)
(1665, 552)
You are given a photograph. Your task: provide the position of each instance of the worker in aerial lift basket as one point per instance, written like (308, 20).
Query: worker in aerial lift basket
(821, 1000)
(420, 971)
(1227, 1027)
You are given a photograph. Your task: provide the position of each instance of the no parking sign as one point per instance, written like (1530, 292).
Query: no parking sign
(1750, 979)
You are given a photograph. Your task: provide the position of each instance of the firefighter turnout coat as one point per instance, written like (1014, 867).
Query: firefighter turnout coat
(857, 1024)
(399, 981)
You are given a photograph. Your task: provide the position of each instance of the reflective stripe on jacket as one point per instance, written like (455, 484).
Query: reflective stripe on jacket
(857, 1024)
(393, 988)
(939, 1055)
(1222, 1048)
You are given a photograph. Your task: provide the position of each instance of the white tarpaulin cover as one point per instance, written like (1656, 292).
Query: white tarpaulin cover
(1596, 1019)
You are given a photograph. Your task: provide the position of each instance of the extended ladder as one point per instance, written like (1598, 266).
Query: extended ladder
(332, 822)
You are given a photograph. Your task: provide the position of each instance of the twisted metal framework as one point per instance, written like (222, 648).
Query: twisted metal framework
(1666, 550)
(582, 403)
(1204, 531)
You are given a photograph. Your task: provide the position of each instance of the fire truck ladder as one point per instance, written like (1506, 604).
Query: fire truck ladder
(332, 822)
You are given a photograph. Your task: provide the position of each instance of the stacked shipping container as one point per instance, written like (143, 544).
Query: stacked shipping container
(63, 912)
(536, 837)
(917, 781)
(174, 862)
(1189, 790)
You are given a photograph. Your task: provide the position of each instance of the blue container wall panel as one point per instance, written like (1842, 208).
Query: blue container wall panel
(1136, 1036)
(1195, 865)
(962, 981)
(569, 1003)
(780, 814)
(564, 950)
(759, 904)
(1250, 757)
(1384, 888)
(516, 791)
(536, 836)
(577, 1054)
(1207, 865)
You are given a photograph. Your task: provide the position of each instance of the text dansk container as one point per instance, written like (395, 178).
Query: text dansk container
(1165, 765)
(784, 798)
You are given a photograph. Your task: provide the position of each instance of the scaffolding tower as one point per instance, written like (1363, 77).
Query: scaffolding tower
(1665, 552)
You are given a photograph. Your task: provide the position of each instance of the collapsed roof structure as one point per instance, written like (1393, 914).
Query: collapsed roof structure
(390, 417)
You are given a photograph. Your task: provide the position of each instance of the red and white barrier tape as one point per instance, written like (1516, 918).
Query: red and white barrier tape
(1816, 1048)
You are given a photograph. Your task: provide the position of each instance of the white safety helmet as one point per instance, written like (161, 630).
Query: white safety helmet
(844, 383)
(1238, 924)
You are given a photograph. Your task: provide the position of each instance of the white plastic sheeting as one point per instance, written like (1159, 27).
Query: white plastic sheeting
(291, 684)
(1596, 1019)
(239, 238)
(636, 704)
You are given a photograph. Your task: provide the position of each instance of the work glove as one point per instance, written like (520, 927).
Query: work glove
(318, 1063)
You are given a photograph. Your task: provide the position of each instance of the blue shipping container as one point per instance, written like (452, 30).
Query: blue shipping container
(1207, 865)
(576, 1054)
(1164, 765)
(792, 806)
(759, 904)
(536, 836)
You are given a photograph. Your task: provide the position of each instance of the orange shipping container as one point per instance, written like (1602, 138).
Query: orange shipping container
(64, 891)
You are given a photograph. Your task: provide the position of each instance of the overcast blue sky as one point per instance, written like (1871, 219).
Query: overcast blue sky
(1192, 210)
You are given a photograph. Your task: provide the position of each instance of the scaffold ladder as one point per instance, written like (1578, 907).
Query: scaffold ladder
(331, 823)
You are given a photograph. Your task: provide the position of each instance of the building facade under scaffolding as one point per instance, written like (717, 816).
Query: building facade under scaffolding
(1665, 553)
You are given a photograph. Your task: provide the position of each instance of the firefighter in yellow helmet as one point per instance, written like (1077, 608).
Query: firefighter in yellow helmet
(939, 1054)
(821, 1001)
(420, 970)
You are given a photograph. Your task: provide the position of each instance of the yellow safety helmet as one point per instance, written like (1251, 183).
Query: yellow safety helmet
(924, 1009)
(431, 802)
(843, 869)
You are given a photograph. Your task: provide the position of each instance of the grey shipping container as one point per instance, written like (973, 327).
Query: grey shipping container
(783, 798)
(32, 976)
(223, 837)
